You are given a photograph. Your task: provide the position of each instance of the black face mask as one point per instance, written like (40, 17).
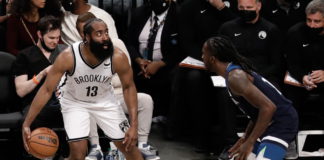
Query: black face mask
(45, 47)
(247, 15)
(158, 6)
(99, 51)
(315, 31)
(68, 5)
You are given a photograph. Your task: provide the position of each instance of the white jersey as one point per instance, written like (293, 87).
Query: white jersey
(88, 85)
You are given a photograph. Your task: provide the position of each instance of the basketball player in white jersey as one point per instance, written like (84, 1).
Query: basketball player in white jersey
(87, 92)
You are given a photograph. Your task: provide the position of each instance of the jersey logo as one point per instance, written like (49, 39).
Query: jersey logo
(305, 45)
(106, 64)
(262, 35)
(203, 11)
(124, 125)
(274, 11)
(237, 34)
(261, 154)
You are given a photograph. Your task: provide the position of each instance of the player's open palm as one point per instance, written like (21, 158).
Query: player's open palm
(236, 147)
(26, 136)
(130, 138)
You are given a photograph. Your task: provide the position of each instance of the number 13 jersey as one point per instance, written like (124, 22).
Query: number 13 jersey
(88, 85)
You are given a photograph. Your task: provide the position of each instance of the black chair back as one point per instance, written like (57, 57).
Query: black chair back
(7, 88)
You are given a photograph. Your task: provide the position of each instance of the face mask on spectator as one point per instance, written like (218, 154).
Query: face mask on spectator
(247, 15)
(315, 31)
(158, 6)
(44, 46)
(68, 5)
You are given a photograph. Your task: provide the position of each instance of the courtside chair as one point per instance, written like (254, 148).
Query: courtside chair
(312, 124)
(10, 115)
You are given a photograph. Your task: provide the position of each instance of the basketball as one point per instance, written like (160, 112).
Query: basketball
(43, 143)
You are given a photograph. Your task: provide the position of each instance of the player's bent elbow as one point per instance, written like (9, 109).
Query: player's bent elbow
(272, 108)
(20, 93)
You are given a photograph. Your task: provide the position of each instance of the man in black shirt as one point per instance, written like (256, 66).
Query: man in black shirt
(32, 66)
(305, 61)
(257, 39)
(305, 56)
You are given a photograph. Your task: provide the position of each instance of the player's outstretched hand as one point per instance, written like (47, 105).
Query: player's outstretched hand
(130, 138)
(234, 149)
(26, 136)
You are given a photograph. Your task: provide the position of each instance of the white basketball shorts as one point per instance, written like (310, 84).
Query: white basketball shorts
(76, 117)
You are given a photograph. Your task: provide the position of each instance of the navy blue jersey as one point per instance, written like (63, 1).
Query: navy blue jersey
(284, 123)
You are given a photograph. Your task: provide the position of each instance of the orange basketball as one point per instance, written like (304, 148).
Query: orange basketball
(43, 143)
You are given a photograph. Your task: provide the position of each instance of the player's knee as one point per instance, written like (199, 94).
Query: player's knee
(77, 156)
(145, 101)
(78, 150)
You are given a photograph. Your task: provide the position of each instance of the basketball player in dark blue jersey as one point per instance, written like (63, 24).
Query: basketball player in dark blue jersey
(273, 120)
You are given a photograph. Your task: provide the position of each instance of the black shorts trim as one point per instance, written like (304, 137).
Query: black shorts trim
(113, 139)
(76, 139)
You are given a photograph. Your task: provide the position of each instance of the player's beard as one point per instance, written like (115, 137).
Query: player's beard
(99, 51)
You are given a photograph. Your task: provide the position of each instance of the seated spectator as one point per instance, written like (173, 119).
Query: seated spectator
(257, 39)
(145, 106)
(72, 9)
(284, 13)
(305, 56)
(152, 44)
(22, 24)
(31, 67)
(81, 21)
(304, 49)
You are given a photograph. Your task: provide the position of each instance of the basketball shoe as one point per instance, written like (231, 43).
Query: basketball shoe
(149, 152)
(95, 153)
